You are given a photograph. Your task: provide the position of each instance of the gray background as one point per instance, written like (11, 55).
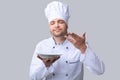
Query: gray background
(23, 25)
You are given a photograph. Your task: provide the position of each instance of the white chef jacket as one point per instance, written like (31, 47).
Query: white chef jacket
(70, 64)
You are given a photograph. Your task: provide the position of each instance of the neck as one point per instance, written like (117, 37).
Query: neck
(59, 40)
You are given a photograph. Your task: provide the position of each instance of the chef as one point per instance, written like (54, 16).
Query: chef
(76, 53)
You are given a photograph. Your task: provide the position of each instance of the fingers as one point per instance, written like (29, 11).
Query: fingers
(73, 35)
(83, 35)
(48, 60)
(69, 38)
(56, 58)
(76, 36)
(53, 59)
(39, 57)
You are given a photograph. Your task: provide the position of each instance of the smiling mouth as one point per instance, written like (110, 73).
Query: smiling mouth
(57, 30)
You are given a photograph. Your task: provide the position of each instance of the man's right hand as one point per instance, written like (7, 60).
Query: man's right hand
(48, 61)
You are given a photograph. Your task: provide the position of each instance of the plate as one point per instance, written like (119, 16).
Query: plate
(49, 55)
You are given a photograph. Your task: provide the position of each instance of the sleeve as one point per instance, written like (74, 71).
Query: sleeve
(38, 71)
(92, 61)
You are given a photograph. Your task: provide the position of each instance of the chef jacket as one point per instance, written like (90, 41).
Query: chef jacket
(70, 64)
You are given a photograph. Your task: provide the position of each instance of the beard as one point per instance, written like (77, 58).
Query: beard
(59, 34)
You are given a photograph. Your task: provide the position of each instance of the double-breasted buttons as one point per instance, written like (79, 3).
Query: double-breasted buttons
(53, 74)
(66, 47)
(66, 74)
(66, 61)
(53, 47)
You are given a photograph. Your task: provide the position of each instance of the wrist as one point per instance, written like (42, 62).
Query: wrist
(83, 48)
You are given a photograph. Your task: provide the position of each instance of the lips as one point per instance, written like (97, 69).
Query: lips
(57, 30)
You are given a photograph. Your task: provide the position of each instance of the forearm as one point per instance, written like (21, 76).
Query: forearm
(40, 73)
(92, 62)
(38, 70)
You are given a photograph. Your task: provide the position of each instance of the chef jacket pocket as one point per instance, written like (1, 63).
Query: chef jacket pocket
(73, 61)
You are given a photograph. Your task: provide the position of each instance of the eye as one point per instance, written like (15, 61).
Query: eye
(52, 23)
(61, 22)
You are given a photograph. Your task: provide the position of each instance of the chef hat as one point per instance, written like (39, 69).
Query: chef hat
(57, 9)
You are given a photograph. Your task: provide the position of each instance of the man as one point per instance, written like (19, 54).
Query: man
(76, 52)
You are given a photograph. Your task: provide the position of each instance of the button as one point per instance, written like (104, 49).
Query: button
(66, 74)
(66, 47)
(53, 46)
(53, 74)
(66, 61)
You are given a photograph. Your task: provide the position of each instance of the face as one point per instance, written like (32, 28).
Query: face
(58, 27)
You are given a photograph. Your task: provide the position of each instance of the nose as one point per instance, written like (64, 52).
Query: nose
(56, 25)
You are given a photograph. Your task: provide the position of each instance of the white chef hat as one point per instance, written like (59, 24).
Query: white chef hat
(57, 9)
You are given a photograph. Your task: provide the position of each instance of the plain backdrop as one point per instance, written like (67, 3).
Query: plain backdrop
(23, 24)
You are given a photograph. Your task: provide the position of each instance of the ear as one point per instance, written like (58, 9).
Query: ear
(66, 26)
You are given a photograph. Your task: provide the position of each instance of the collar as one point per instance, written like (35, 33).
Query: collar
(54, 42)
